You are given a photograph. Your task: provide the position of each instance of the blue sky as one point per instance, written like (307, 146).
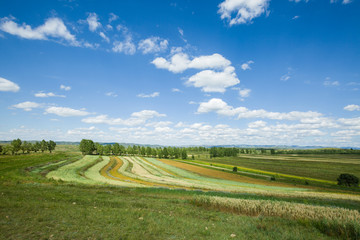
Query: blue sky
(181, 72)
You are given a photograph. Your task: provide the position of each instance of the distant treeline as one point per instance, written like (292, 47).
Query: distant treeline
(88, 147)
(17, 145)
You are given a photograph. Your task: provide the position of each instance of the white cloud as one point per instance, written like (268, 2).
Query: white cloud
(152, 95)
(245, 92)
(220, 107)
(53, 27)
(257, 124)
(66, 88)
(331, 83)
(211, 81)
(246, 66)
(343, 2)
(126, 46)
(352, 107)
(153, 45)
(113, 17)
(245, 10)
(181, 32)
(93, 22)
(26, 106)
(285, 77)
(65, 112)
(295, 17)
(175, 90)
(8, 86)
(180, 62)
(111, 94)
(50, 94)
(137, 118)
(104, 37)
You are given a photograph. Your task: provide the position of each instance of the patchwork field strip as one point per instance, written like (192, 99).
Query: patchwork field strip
(132, 171)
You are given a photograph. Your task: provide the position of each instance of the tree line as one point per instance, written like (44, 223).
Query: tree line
(88, 147)
(17, 145)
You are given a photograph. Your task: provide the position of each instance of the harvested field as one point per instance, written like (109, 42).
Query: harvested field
(221, 174)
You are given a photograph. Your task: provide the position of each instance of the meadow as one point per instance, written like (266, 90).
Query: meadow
(51, 196)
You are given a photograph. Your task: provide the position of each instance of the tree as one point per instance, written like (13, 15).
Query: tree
(36, 146)
(43, 145)
(348, 180)
(183, 154)
(129, 150)
(1, 148)
(107, 149)
(9, 149)
(148, 151)
(16, 144)
(235, 169)
(51, 145)
(143, 151)
(116, 149)
(26, 147)
(87, 146)
(99, 149)
(165, 152)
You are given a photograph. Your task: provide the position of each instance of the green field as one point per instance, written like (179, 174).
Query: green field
(325, 167)
(89, 200)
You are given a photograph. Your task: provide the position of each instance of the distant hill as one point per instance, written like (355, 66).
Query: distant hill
(207, 146)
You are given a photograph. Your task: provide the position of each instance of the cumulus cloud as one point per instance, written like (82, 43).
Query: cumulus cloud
(111, 94)
(352, 107)
(93, 22)
(26, 106)
(212, 81)
(246, 66)
(137, 118)
(49, 94)
(66, 88)
(65, 112)
(152, 95)
(244, 11)
(8, 86)
(127, 46)
(220, 107)
(53, 27)
(113, 17)
(104, 37)
(180, 62)
(244, 92)
(153, 45)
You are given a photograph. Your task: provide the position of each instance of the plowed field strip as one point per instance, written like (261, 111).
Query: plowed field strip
(113, 173)
(159, 167)
(220, 174)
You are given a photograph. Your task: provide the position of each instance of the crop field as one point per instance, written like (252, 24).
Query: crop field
(134, 197)
(324, 167)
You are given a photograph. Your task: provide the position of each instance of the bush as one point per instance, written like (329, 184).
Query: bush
(234, 169)
(348, 180)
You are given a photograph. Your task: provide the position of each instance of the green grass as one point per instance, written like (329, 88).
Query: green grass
(34, 207)
(325, 167)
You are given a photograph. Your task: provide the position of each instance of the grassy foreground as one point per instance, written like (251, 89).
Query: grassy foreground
(33, 207)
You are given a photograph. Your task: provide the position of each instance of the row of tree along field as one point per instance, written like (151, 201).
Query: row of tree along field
(88, 147)
(17, 146)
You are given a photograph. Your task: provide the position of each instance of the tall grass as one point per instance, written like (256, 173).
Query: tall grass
(330, 220)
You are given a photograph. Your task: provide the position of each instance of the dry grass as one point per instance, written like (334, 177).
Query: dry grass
(336, 221)
(280, 209)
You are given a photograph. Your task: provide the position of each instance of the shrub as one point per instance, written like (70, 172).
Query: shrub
(348, 180)
(235, 169)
